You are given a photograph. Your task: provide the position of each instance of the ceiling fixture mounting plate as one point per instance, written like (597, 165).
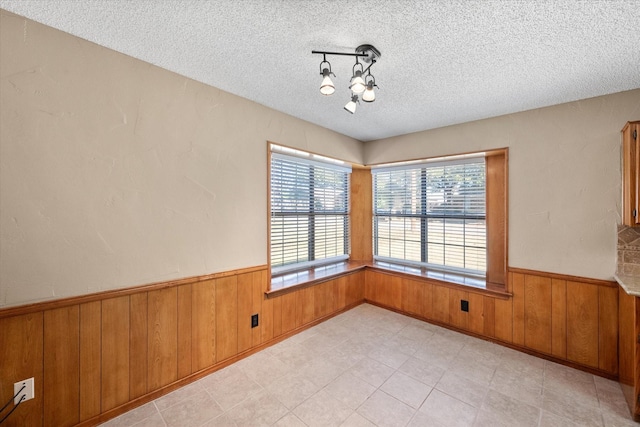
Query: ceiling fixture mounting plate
(369, 50)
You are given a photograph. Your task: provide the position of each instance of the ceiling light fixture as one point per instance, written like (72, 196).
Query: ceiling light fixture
(351, 105)
(357, 82)
(360, 83)
(369, 95)
(327, 87)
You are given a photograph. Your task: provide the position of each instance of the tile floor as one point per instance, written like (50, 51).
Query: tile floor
(373, 367)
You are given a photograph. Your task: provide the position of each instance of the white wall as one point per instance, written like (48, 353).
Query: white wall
(564, 178)
(115, 173)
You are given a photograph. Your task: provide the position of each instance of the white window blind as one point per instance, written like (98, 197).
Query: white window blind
(432, 214)
(309, 210)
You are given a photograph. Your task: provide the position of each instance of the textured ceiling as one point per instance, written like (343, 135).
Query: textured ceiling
(443, 62)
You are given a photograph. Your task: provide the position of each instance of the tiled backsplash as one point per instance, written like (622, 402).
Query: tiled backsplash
(629, 250)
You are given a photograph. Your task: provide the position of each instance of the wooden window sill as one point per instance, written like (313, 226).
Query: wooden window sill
(452, 280)
(287, 282)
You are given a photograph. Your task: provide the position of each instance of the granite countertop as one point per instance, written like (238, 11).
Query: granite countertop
(630, 284)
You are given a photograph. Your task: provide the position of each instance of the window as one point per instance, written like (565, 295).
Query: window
(432, 214)
(309, 210)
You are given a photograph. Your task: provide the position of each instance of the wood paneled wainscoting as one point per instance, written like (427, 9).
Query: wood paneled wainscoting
(567, 319)
(96, 356)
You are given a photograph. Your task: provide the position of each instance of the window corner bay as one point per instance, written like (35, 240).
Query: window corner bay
(432, 213)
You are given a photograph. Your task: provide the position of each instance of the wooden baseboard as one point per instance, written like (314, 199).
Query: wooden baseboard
(520, 348)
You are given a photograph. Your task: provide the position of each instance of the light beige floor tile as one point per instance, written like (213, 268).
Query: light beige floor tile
(384, 410)
(320, 371)
(439, 351)
(613, 420)
(290, 420)
(391, 357)
(264, 368)
(346, 354)
(406, 389)
(518, 385)
(548, 419)
(500, 409)
(406, 345)
(261, 409)
(231, 389)
(506, 373)
(443, 409)
(194, 411)
(281, 347)
(335, 329)
(350, 390)
(177, 396)
(482, 355)
(217, 376)
(420, 419)
(486, 418)
(321, 409)
(611, 398)
(473, 370)
(222, 420)
(155, 420)
(320, 343)
(416, 333)
(564, 379)
(518, 359)
(462, 389)
(292, 389)
(357, 420)
(573, 407)
(371, 371)
(422, 371)
(304, 335)
(134, 416)
(295, 356)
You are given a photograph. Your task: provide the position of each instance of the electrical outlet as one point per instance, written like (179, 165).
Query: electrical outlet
(254, 320)
(464, 305)
(26, 393)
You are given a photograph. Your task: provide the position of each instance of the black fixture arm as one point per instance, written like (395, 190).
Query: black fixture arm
(322, 52)
(373, 61)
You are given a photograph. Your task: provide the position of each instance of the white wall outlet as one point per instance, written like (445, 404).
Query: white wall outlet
(26, 393)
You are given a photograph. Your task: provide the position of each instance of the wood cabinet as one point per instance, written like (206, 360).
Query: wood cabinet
(629, 350)
(631, 174)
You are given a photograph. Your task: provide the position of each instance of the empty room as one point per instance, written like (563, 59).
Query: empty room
(295, 213)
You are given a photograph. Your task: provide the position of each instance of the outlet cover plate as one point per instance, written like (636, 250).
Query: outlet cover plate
(464, 305)
(26, 394)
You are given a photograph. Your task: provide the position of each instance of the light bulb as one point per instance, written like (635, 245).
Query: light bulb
(351, 105)
(357, 84)
(369, 95)
(327, 87)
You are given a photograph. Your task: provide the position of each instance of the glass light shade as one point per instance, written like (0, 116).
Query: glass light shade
(351, 105)
(327, 87)
(369, 95)
(357, 84)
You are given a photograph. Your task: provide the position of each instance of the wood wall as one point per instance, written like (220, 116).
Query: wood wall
(92, 357)
(564, 318)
